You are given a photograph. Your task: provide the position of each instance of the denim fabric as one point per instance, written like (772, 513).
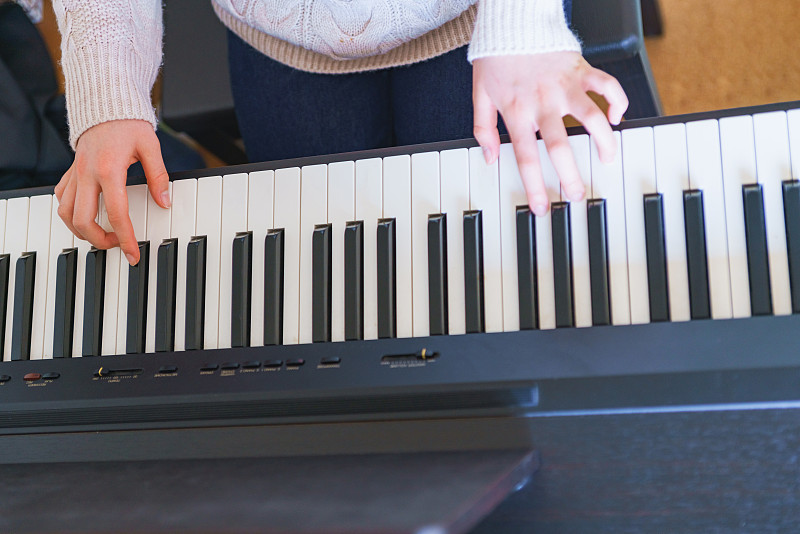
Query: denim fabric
(286, 113)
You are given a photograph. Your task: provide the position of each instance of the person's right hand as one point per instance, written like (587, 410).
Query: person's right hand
(102, 157)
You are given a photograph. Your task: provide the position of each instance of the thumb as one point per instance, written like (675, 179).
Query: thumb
(149, 151)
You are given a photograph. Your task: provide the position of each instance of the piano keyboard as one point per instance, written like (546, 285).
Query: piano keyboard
(412, 284)
(693, 220)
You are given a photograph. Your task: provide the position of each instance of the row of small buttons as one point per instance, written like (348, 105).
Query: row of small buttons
(32, 377)
(269, 364)
(171, 369)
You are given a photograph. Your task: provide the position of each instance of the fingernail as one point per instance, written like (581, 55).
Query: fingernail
(540, 210)
(487, 155)
(130, 259)
(165, 201)
(575, 192)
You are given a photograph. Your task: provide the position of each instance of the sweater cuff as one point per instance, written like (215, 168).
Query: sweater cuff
(107, 83)
(505, 28)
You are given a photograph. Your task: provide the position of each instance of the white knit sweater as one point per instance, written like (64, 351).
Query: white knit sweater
(111, 49)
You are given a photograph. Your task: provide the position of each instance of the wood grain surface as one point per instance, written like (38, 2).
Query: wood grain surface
(723, 471)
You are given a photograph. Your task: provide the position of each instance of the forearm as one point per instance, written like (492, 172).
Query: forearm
(513, 27)
(110, 55)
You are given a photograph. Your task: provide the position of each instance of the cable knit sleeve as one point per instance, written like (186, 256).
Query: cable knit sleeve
(508, 27)
(110, 55)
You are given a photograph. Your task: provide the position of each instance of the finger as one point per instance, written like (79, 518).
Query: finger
(485, 125)
(608, 86)
(554, 134)
(526, 149)
(116, 200)
(66, 207)
(149, 152)
(85, 215)
(589, 114)
(62, 184)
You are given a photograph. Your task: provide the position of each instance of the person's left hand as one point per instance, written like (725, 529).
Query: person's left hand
(533, 93)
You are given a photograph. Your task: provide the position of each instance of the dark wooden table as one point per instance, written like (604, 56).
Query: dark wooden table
(724, 471)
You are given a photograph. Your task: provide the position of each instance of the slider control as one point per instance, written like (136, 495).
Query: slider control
(108, 371)
(423, 354)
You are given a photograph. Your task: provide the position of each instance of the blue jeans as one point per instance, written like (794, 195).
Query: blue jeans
(286, 113)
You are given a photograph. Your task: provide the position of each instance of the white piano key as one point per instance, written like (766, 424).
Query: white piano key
(454, 176)
(424, 202)
(484, 191)
(15, 243)
(80, 286)
(234, 219)
(773, 165)
(793, 118)
(512, 194)
(137, 209)
(341, 210)
(672, 179)
(60, 238)
(111, 284)
(397, 204)
(313, 211)
(158, 229)
(737, 146)
(581, 278)
(639, 171)
(3, 230)
(39, 241)
(209, 224)
(287, 216)
(3, 211)
(544, 245)
(607, 183)
(260, 203)
(705, 173)
(369, 208)
(184, 214)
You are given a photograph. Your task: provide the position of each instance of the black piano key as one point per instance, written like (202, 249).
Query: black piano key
(354, 280)
(166, 286)
(526, 269)
(791, 215)
(696, 259)
(23, 307)
(195, 293)
(64, 318)
(473, 272)
(755, 229)
(94, 295)
(598, 261)
(387, 278)
(656, 257)
(321, 282)
(241, 289)
(5, 267)
(273, 288)
(437, 274)
(137, 301)
(562, 265)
